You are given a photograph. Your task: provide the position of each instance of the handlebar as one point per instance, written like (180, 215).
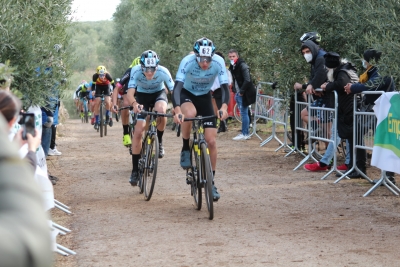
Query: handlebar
(274, 85)
(144, 112)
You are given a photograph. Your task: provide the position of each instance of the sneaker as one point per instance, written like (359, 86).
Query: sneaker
(110, 123)
(342, 167)
(54, 152)
(126, 140)
(51, 177)
(185, 159)
(161, 151)
(134, 178)
(241, 137)
(215, 193)
(96, 125)
(289, 149)
(354, 175)
(93, 120)
(315, 167)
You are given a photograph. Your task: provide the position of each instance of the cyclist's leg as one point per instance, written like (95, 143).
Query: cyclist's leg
(161, 106)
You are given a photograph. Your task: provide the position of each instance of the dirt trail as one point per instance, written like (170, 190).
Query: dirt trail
(268, 215)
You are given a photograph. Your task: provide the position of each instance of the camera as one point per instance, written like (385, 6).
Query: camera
(27, 122)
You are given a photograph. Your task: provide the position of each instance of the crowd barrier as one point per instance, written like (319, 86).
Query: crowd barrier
(273, 109)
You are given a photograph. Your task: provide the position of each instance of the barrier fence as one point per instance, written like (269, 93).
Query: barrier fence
(321, 130)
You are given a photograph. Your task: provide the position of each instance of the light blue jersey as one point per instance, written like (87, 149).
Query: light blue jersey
(141, 84)
(198, 81)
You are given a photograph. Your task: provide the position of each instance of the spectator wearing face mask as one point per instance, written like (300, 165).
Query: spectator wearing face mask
(371, 80)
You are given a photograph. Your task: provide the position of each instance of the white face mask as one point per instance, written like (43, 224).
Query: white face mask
(308, 57)
(232, 62)
(364, 64)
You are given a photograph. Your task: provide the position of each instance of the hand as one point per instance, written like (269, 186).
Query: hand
(178, 117)
(114, 109)
(137, 107)
(310, 90)
(224, 114)
(347, 88)
(49, 122)
(34, 141)
(297, 86)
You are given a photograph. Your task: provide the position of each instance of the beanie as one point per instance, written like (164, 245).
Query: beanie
(332, 60)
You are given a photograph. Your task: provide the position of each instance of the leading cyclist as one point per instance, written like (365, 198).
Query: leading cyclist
(192, 97)
(101, 81)
(147, 84)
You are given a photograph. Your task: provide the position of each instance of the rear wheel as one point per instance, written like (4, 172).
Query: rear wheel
(142, 165)
(207, 177)
(150, 170)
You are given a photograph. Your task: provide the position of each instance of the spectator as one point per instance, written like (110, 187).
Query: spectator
(10, 106)
(245, 91)
(24, 230)
(371, 80)
(314, 55)
(340, 73)
(53, 149)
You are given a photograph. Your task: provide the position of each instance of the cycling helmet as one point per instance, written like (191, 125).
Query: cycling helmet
(204, 47)
(135, 62)
(101, 70)
(86, 85)
(313, 36)
(149, 58)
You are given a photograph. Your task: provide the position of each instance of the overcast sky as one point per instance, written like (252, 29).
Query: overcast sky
(92, 10)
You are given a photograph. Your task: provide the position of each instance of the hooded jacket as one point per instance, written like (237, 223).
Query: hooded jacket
(318, 73)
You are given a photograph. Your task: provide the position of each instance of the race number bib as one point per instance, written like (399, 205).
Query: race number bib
(150, 62)
(205, 51)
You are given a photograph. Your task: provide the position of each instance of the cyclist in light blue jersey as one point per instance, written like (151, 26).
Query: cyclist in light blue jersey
(192, 97)
(146, 83)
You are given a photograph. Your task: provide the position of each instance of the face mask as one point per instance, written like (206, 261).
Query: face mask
(232, 62)
(308, 57)
(364, 64)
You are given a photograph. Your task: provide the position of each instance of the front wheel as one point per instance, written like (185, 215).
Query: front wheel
(207, 178)
(150, 168)
(193, 175)
(101, 119)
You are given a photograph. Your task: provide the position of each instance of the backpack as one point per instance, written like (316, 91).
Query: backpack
(386, 84)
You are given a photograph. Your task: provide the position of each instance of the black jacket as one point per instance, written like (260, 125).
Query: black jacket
(344, 74)
(242, 80)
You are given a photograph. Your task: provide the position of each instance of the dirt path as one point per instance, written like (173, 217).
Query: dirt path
(268, 215)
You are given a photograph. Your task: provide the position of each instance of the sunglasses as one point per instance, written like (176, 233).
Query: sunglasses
(204, 59)
(149, 69)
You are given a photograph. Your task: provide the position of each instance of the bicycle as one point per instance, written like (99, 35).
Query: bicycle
(149, 153)
(200, 175)
(84, 115)
(102, 114)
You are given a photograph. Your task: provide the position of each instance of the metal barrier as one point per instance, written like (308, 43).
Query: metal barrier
(364, 125)
(271, 109)
(321, 127)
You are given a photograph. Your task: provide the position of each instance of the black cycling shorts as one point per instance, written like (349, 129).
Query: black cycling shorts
(149, 100)
(203, 105)
(102, 89)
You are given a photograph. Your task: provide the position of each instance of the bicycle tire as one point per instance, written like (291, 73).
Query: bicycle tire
(85, 107)
(101, 120)
(236, 113)
(142, 165)
(150, 171)
(193, 173)
(207, 177)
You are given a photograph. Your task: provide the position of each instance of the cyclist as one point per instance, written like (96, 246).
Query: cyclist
(192, 96)
(121, 89)
(101, 81)
(84, 90)
(147, 83)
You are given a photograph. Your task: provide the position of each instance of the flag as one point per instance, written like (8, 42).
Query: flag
(386, 150)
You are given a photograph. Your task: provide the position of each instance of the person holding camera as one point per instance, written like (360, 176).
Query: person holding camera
(10, 106)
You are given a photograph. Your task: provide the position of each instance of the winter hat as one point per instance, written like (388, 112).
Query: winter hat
(332, 60)
(370, 54)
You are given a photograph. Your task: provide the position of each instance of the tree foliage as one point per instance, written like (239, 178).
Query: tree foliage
(28, 32)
